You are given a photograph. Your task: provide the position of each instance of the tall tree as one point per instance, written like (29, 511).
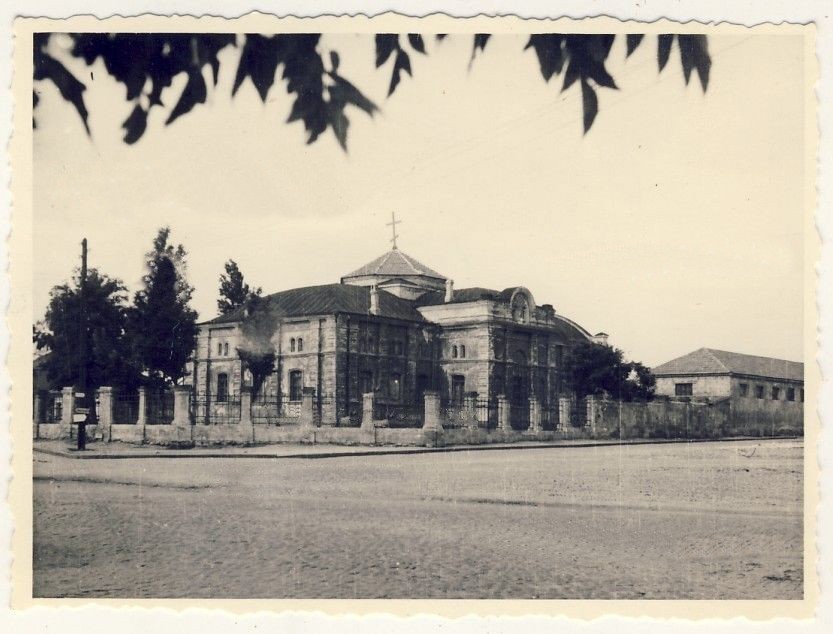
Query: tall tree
(595, 369)
(234, 291)
(162, 324)
(106, 321)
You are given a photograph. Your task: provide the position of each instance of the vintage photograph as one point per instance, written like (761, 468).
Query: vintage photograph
(370, 314)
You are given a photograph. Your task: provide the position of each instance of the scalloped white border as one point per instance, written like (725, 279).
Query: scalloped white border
(742, 13)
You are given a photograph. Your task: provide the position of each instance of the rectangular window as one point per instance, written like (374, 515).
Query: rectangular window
(458, 388)
(744, 389)
(296, 385)
(776, 392)
(222, 388)
(683, 389)
(790, 393)
(759, 391)
(395, 391)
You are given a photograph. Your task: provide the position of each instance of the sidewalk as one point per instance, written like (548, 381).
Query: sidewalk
(120, 450)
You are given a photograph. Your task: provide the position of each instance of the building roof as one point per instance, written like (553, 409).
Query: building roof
(710, 361)
(395, 263)
(328, 299)
(566, 327)
(460, 296)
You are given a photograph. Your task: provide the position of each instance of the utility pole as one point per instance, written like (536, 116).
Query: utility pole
(84, 355)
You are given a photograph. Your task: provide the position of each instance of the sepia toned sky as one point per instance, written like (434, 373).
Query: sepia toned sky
(675, 223)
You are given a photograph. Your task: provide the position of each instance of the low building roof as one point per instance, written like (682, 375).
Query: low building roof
(394, 263)
(464, 295)
(328, 299)
(710, 361)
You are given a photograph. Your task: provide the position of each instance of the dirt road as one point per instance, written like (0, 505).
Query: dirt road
(694, 521)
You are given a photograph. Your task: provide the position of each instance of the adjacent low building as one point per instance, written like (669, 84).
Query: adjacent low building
(762, 391)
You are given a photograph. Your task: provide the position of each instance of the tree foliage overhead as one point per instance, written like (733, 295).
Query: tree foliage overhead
(598, 369)
(106, 321)
(234, 291)
(146, 64)
(162, 324)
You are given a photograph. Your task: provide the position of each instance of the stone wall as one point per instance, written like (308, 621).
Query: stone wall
(663, 418)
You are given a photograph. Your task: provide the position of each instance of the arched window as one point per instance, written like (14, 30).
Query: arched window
(462, 352)
(296, 384)
(222, 388)
(292, 344)
(453, 352)
(300, 344)
(219, 348)
(225, 349)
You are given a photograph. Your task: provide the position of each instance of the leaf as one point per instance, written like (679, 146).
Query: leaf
(590, 104)
(339, 124)
(571, 75)
(664, 49)
(633, 41)
(259, 62)
(549, 52)
(135, 125)
(403, 63)
(385, 45)
(344, 92)
(415, 39)
(72, 90)
(480, 40)
(694, 54)
(194, 92)
(598, 73)
(334, 61)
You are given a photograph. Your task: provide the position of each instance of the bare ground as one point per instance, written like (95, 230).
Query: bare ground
(687, 521)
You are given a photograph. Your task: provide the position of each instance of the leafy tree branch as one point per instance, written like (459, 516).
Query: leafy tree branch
(146, 64)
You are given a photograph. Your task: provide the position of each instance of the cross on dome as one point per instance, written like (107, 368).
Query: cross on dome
(392, 224)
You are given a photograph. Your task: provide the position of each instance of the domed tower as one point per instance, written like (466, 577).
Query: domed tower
(399, 274)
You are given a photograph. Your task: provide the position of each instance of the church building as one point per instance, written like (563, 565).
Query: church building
(393, 327)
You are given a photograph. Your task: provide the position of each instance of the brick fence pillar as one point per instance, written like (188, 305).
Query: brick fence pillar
(367, 410)
(105, 412)
(182, 412)
(247, 428)
(432, 420)
(308, 407)
(534, 416)
(470, 410)
(591, 403)
(67, 408)
(37, 409)
(503, 422)
(245, 405)
(565, 407)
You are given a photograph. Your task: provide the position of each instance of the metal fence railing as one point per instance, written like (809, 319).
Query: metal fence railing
(207, 409)
(51, 406)
(125, 408)
(159, 407)
(486, 412)
(519, 415)
(273, 409)
(399, 414)
(454, 415)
